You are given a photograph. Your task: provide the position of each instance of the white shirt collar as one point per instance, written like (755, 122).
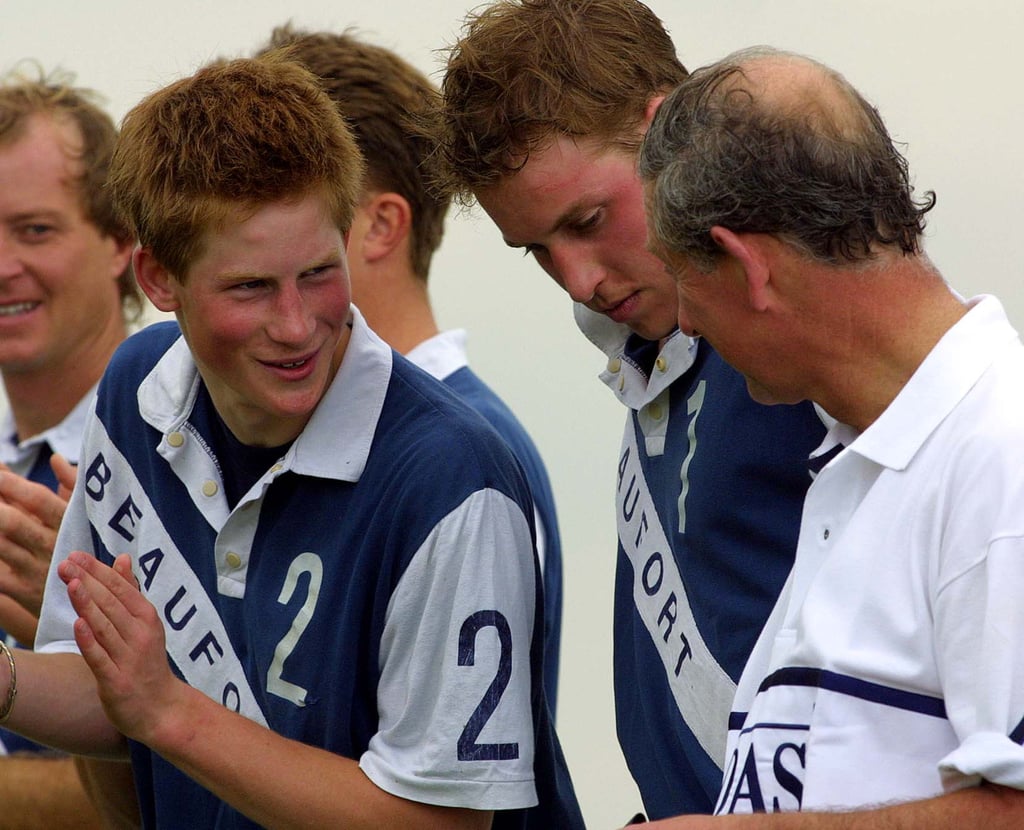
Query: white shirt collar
(442, 354)
(336, 441)
(631, 385)
(942, 380)
(64, 438)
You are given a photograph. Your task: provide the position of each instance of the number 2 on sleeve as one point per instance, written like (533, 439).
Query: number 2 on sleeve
(468, 748)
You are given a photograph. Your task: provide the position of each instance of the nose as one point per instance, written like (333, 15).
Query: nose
(9, 262)
(292, 321)
(685, 323)
(578, 275)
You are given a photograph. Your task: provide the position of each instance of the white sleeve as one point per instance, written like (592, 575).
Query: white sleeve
(979, 640)
(456, 725)
(57, 617)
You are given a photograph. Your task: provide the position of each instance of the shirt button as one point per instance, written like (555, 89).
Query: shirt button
(826, 534)
(175, 439)
(209, 488)
(654, 410)
(233, 560)
(661, 364)
(614, 365)
(277, 468)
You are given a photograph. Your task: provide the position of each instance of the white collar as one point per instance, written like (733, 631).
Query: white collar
(336, 441)
(631, 384)
(442, 354)
(942, 380)
(65, 438)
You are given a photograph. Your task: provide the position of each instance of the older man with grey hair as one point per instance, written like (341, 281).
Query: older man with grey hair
(891, 671)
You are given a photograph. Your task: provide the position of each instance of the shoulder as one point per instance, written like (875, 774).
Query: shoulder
(484, 400)
(151, 376)
(144, 348)
(415, 396)
(426, 423)
(481, 397)
(983, 437)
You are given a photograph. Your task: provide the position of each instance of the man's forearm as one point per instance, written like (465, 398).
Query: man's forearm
(42, 793)
(17, 622)
(111, 787)
(57, 704)
(282, 783)
(989, 806)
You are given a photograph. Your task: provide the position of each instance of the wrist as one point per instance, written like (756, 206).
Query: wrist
(9, 671)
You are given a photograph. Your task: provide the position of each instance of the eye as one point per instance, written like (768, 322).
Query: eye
(246, 285)
(324, 269)
(588, 223)
(36, 231)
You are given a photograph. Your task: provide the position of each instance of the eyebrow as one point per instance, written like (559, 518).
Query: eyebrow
(35, 213)
(328, 260)
(567, 217)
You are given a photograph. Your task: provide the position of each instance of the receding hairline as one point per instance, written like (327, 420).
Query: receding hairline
(66, 131)
(798, 87)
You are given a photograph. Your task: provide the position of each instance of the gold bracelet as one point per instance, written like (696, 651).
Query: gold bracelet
(12, 689)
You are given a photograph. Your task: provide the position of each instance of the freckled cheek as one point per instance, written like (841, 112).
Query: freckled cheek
(331, 307)
(222, 337)
(631, 225)
(234, 329)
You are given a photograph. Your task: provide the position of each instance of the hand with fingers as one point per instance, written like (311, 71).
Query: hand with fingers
(67, 474)
(120, 635)
(30, 516)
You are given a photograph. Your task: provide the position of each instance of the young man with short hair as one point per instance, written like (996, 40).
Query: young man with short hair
(397, 228)
(545, 104)
(300, 576)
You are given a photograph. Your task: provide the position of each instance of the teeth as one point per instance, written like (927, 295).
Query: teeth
(16, 308)
(293, 365)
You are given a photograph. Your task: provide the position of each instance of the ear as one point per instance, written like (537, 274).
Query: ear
(389, 224)
(122, 255)
(155, 280)
(745, 250)
(652, 107)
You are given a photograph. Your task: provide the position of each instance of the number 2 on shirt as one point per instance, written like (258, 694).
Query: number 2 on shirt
(468, 748)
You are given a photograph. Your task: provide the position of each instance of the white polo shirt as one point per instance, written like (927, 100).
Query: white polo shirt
(892, 668)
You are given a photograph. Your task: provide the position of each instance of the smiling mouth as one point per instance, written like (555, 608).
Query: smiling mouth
(292, 364)
(13, 309)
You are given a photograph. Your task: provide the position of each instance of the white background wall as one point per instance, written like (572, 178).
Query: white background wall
(944, 73)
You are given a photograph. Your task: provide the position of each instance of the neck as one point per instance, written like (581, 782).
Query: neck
(397, 307)
(40, 398)
(405, 334)
(883, 342)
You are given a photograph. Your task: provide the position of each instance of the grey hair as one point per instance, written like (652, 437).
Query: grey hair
(816, 168)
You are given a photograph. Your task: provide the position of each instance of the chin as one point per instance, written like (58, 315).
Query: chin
(762, 394)
(651, 331)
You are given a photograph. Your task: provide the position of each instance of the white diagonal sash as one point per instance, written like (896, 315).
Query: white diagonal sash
(702, 689)
(121, 514)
